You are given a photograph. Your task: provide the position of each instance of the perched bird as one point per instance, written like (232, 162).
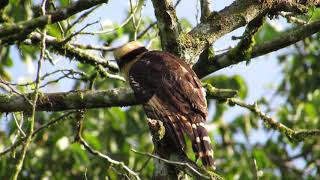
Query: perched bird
(171, 92)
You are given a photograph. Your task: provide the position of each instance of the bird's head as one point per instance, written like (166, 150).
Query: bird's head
(127, 53)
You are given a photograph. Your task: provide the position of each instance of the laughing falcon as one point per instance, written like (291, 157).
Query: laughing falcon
(171, 92)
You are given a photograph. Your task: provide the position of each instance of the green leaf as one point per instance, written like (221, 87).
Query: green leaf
(261, 158)
(78, 151)
(314, 14)
(54, 30)
(267, 32)
(311, 110)
(93, 141)
(7, 62)
(64, 3)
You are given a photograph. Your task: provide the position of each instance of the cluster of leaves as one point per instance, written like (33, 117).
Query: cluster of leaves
(54, 152)
(272, 155)
(115, 131)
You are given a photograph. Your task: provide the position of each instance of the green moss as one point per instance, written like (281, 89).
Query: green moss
(159, 134)
(213, 16)
(42, 97)
(5, 98)
(81, 95)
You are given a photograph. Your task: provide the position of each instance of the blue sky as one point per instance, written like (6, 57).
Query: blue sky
(261, 71)
(258, 74)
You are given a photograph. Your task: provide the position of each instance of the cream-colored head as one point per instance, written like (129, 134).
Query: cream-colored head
(126, 49)
(127, 54)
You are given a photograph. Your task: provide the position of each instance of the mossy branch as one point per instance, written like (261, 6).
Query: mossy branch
(21, 29)
(219, 94)
(69, 100)
(293, 135)
(206, 66)
(85, 99)
(168, 24)
(70, 51)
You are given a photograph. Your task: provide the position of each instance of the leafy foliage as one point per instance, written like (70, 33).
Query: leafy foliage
(54, 154)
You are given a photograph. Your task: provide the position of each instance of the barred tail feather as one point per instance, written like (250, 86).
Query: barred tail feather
(202, 144)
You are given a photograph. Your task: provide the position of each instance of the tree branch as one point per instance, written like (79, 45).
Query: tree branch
(293, 135)
(85, 99)
(69, 100)
(44, 126)
(205, 67)
(188, 167)
(236, 15)
(22, 29)
(34, 100)
(205, 9)
(79, 138)
(72, 51)
(168, 25)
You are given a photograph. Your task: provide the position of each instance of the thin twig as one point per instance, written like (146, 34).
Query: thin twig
(59, 23)
(144, 164)
(34, 104)
(106, 74)
(290, 17)
(93, 47)
(35, 132)
(67, 39)
(19, 125)
(115, 29)
(142, 33)
(66, 74)
(187, 165)
(256, 168)
(133, 19)
(83, 142)
(82, 17)
(294, 135)
(71, 52)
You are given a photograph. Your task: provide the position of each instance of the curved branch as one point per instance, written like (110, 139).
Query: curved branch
(238, 14)
(207, 66)
(188, 167)
(23, 28)
(293, 135)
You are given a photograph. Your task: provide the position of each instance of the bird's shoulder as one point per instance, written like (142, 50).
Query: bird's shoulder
(171, 79)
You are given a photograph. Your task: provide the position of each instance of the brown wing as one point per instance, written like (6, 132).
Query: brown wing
(169, 77)
(172, 93)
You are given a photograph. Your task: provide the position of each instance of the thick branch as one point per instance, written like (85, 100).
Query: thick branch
(168, 25)
(85, 99)
(205, 67)
(69, 100)
(236, 15)
(25, 27)
(205, 9)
